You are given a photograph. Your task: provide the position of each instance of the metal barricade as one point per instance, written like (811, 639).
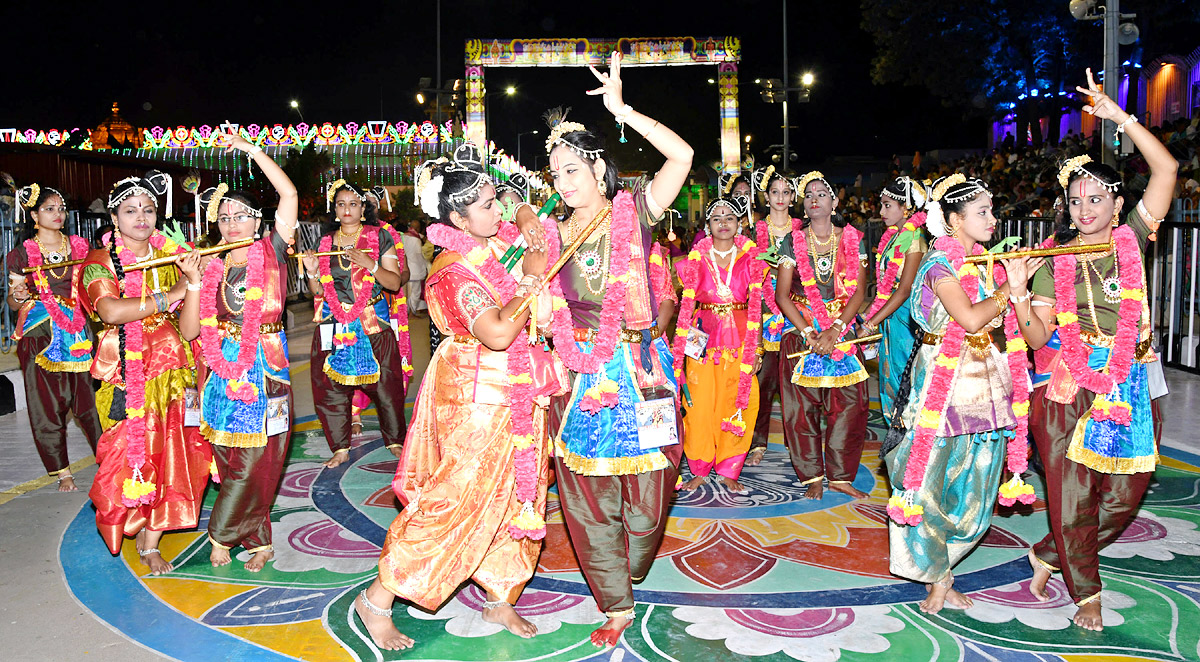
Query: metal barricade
(1175, 258)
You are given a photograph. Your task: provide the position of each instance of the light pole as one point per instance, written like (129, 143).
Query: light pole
(508, 91)
(295, 105)
(1084, 10)
(526, 133)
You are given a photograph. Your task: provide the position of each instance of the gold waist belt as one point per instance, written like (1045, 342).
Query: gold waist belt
(833, 307)
(626, 335)
(978, 342)
(721, 309)
(234, 331)
(1104, 340)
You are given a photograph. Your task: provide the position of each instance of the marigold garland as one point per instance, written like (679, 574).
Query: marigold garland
(400, 309)
(528, 523)
(624, 226)
(210, 336)
(762, 237)
(886, 280)
(689, 274)
(136, 490)
(1102, 383)
(361, 297)
(901, 507)
(848, 248)
(79, 250)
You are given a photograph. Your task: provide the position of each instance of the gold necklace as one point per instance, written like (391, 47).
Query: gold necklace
(239, 291)
(593, 263)
(54, 257)
(343, 261)
(823, 260)
(1110, 286)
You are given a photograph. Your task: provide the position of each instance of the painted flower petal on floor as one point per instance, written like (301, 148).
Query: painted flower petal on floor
(1006, 603)
(546, 610)
(296, 485)
(817, 635)
(1155, 537)
(311, 541)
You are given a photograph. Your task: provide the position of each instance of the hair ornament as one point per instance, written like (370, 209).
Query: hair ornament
(335, 186)
(429, 195)
(908, 191)
(1076, 166)
(382, 195)
(214, 202)
(801, 183)
(967, 189)
(468, 159)
(153, 184)
(517, 184)
(726, 180)
(423, 175)
(556, 119)
(736, 204)
(762, 178)
(27, 196)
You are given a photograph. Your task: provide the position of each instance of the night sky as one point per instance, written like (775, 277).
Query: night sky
(169, 64)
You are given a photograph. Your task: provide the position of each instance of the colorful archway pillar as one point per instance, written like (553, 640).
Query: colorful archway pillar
(731, 139)
(476, 120)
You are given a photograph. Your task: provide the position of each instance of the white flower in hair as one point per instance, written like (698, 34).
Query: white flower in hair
(430, 195)
(935, 219)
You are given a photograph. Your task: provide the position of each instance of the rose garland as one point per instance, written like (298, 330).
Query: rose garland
(1129, 311)
(901, 507)
(136, 490)
(400, 309)
(624, 224)
(210, 337)
(528, 523)
(74, 324)
(886, 280)
(762, 237)
(848, 247)
(360, 297)
(750, 338)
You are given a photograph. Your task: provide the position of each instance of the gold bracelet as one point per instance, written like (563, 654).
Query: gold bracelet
(1001, 301)
(650, 129)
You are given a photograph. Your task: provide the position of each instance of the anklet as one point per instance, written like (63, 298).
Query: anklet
(492, 604)
(624, 613)
(148, 552)
(362, 596)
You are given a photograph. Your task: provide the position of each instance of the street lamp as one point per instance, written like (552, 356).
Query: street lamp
(526, 133)
(807, 79)
(295, 105)
(1115, 34)
(510, 90)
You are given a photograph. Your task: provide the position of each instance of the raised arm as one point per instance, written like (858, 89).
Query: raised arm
(287, 213)
(665, 186)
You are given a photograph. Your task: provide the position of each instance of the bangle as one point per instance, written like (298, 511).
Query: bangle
(840, 323)
(1001, 302)
(160, 302)
(1021, 299)
(1132, 119)
(254, 149)
(759, 351)
(807, 330)
(194, 287)
(375, 267)
(653, 127)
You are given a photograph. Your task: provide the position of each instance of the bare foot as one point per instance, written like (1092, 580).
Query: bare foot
(397, 451)
(66, 483)
(1037, 585)
(356, 426)
(259, 560)
(847, 488)
(609, 634)
(339, 456)
(219, 556)
(692, 484)
(381, 628)
(734, 486)
(958, 600)
(147, 548)
(815, 490)
(1088, 617)
(505, 615)
(937, 597)
(755, 456)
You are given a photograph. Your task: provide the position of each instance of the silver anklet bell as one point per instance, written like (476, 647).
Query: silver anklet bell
(362, 597)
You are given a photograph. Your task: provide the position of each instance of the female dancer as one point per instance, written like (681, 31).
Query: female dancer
(723, 280)
(821, 264)
(355, 346)
(604, 303)
(769, 233)
(965, 401)
(474, 470)
(152, 469)
(54, 343)
(1094, 427)
(899, 254)
(244, 382)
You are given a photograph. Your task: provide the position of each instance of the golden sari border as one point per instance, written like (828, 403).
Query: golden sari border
(611, 466)
(350, 380)
(837, 381)
(62, 366)
(233, 439)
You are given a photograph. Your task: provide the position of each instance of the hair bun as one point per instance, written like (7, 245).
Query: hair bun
(468, 155)
(157, 181)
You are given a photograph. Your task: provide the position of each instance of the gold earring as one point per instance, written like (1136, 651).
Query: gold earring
(1116, 217)
(603, 186)
(953, 232)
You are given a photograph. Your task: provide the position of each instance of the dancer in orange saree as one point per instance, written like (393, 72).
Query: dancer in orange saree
(474, 469)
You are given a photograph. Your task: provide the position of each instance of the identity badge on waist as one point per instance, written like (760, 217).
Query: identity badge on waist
(327, 331)
(696, 343)
(191, 407)
(278, 415)
(656, 423)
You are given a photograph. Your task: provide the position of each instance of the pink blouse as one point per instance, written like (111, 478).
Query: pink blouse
(724, 331)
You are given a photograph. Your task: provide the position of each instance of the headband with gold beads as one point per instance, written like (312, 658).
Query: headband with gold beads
(1076, 165)
(331, 192)
(809, 177)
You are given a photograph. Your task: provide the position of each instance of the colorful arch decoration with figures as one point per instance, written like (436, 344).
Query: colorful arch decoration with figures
(723, 52)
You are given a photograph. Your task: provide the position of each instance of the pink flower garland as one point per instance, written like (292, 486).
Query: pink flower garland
(762, 236)
(901, 507)
(210, 337)
(1130, 313)
(136, 490)
(79, 250)
(400, 309)
(886, 280)
(360, 297)
(528, 523)
(750, 337)
(848, 247)
(624, 225)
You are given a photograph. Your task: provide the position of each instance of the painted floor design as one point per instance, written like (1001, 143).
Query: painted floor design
(762, 576)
